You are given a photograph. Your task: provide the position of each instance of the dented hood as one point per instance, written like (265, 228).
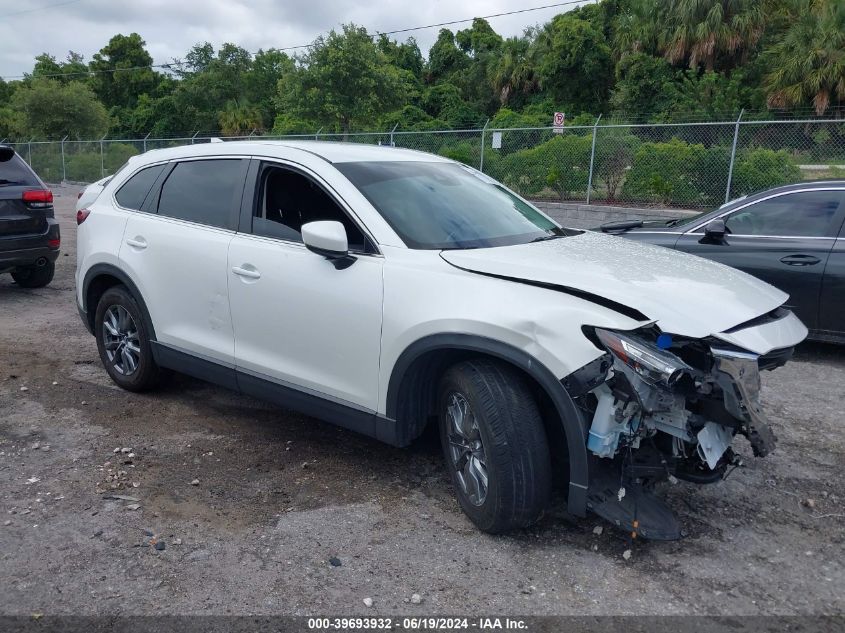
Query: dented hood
(684, 294)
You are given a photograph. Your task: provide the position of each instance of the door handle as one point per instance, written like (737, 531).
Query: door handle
(249, 273)
(138, 242)
(800, 260)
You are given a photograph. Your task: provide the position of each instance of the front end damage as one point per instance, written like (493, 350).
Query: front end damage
(662, 407)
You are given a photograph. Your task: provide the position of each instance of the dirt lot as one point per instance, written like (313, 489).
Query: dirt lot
(278, 495)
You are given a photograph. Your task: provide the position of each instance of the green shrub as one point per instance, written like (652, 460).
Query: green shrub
(462, 151)
(614, 154)
(677, 173)
(759, 169)
(561, 164)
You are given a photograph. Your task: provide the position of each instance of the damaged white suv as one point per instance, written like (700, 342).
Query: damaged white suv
(385, 290)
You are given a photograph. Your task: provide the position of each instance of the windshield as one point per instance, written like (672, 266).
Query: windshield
(445, 206)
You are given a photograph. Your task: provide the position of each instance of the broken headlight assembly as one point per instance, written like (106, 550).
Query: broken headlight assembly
(649, 361)
(668, 407)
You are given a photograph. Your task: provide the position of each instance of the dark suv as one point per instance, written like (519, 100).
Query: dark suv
(29, 235)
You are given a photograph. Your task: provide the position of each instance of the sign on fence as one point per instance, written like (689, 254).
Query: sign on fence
(497, 140)
(558, 121)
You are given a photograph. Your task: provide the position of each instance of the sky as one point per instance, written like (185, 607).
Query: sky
(171, 27)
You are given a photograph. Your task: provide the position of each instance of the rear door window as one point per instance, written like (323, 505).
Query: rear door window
(801, 214)
(204, 191)
(135, 190)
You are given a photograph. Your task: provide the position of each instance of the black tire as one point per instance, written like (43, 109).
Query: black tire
(34, 276)
(146, 374)
(518, 466)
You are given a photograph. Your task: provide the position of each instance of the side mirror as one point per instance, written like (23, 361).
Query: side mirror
(715, 229)
(6, 153)
(328, 238)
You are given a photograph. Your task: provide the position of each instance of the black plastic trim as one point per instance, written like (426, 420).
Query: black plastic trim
(98, 270)
(574, 425)
(316, 405)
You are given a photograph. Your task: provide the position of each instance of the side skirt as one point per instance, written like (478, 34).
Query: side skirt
(287, 396)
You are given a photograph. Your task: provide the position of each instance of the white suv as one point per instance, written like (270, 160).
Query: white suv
(384, 290)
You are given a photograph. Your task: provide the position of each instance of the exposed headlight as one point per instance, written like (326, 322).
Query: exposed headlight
(651, 363)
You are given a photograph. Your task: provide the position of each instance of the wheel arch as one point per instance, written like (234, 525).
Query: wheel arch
(100, 278)
(412, 388)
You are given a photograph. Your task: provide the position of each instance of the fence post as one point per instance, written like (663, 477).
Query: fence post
(392, 144)
(483, 131)
(145, 141)
(102, 158)
(194, 136)
(29, 151)
(317, 135)
(64, 170)
(592, 159)
(733, 156)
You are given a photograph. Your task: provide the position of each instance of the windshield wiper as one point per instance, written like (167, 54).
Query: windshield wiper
(544, 238)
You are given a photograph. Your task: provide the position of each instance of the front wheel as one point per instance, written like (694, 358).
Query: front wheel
(124, 342)
(495, 445)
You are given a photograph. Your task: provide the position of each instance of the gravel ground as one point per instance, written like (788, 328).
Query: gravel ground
(252, 505)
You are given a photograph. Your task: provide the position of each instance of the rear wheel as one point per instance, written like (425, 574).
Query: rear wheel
(124, 342)
(34, 276)
(495, 445)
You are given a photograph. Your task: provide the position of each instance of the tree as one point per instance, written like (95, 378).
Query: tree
(72, 69)
(575, 64)
(50, 110)
(344, 81)
(444, 57)
(708, 33)
(122, 72)
(513, 76)
(808, 61)
(268, 67)
(240, 118)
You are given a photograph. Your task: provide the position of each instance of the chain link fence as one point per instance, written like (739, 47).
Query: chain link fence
(686, 165)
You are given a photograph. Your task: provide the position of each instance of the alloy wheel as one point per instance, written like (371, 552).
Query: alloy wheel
(466, 449)
(120, 339)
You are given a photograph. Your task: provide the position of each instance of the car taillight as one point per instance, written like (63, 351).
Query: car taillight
(81, 215)
(54, 243)
(38, 197)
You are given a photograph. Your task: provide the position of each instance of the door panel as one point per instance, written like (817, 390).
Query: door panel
(832, 303)
(769, 259)
(298, 320)
(181, 270)
(784, 239)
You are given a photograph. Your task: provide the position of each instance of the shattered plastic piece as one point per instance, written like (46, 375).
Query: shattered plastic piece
(626, 554)
(621, 494)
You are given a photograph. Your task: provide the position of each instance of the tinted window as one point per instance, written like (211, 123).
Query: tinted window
(16, 172)
(204, 191)
(444, 205)
(805, 214)
(134, 191)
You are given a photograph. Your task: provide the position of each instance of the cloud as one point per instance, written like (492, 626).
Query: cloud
(171, 27)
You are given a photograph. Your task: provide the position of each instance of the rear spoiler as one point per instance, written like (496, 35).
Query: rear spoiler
(6, 153)
(620, 226)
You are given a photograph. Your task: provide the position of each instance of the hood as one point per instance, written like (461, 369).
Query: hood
(685, 295)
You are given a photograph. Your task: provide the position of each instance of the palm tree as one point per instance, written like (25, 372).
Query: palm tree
(239, 118)
(514, 72)
(697, 32)
(808, 61)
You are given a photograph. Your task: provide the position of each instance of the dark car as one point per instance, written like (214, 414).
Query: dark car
(793, 237)
(29, 234)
